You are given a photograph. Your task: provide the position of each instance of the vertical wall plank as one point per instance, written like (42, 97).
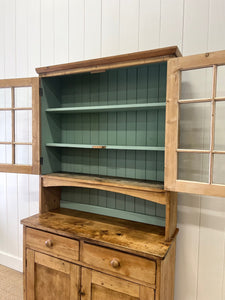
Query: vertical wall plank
(2, 38)
(76, 30)
(149, 31)
(93, 37)
(33, 194)
(3, 214)
(129, 26)
(21, 38)
(110, 27)
(12, 214)
(186, 273)
(10, 41)
(195, 32)
(216, 26)
(33, 35)
(211, 248)
(23, 206)
(47, 33)
(171, 28)
(61, 31)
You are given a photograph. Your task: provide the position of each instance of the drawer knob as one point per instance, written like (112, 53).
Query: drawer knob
(115, 263)
(49, 243)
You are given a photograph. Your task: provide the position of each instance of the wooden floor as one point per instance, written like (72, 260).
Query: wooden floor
(11, 284)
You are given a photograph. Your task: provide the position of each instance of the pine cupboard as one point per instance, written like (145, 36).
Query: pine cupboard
(119, 137)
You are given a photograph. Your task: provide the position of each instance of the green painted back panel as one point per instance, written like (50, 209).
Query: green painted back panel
(144, 165)
(143, 84)
(133, 85)
(139, 128)
(80, 198)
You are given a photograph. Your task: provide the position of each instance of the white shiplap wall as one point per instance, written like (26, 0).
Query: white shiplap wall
(43, 32)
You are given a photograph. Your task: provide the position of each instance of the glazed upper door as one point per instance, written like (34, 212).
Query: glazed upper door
(195, 124)
(19, 125)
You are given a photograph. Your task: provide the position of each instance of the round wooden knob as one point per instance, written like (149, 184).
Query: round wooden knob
(49, 243)
(115, 263)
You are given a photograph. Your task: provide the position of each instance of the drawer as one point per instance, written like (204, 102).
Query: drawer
(132, 266)
(52, 244)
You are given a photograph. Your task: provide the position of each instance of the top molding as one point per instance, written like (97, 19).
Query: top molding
(110, 62)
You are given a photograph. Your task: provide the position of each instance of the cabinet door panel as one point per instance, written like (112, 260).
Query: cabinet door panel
(99, 286)
(49, 278)
(194, 135)
(101, 293)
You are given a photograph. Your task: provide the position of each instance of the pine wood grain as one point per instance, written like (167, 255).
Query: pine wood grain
(146, 293)
(167, 274)
(105, 62)
(142, 189)
(171, 216)
(137, 238)
(116, 284)
(30, 280)
(60, 246)
(129, 265)
(49, 198)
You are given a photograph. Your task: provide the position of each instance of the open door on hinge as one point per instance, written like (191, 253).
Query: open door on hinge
(195, 124)
(19, 125)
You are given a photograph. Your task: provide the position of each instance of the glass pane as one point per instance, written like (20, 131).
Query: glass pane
(220, 126)
(219, 169)
(23, 154)
(196, 84)
(23, 126)
(23, 97)
(194, 125)
(5, 98)
(5, 126)
(193, 166)
(5, 154)
(220, 89)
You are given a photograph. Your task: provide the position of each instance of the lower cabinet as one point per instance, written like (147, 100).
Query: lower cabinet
(85, 257)
(50, 278)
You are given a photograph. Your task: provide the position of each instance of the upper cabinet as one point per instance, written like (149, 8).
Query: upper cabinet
(137, 115)
(195, 125)
(103, 136)
(106, 116)
(150, 116)
(19, 126)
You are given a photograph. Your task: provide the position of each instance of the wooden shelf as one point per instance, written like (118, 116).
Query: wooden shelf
(143, 239)
(107, 108)
(113, 147)
(142, 189)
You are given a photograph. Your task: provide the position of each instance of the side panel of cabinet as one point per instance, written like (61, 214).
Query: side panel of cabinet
(99, 286)
(51, 278)
(166, 275)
